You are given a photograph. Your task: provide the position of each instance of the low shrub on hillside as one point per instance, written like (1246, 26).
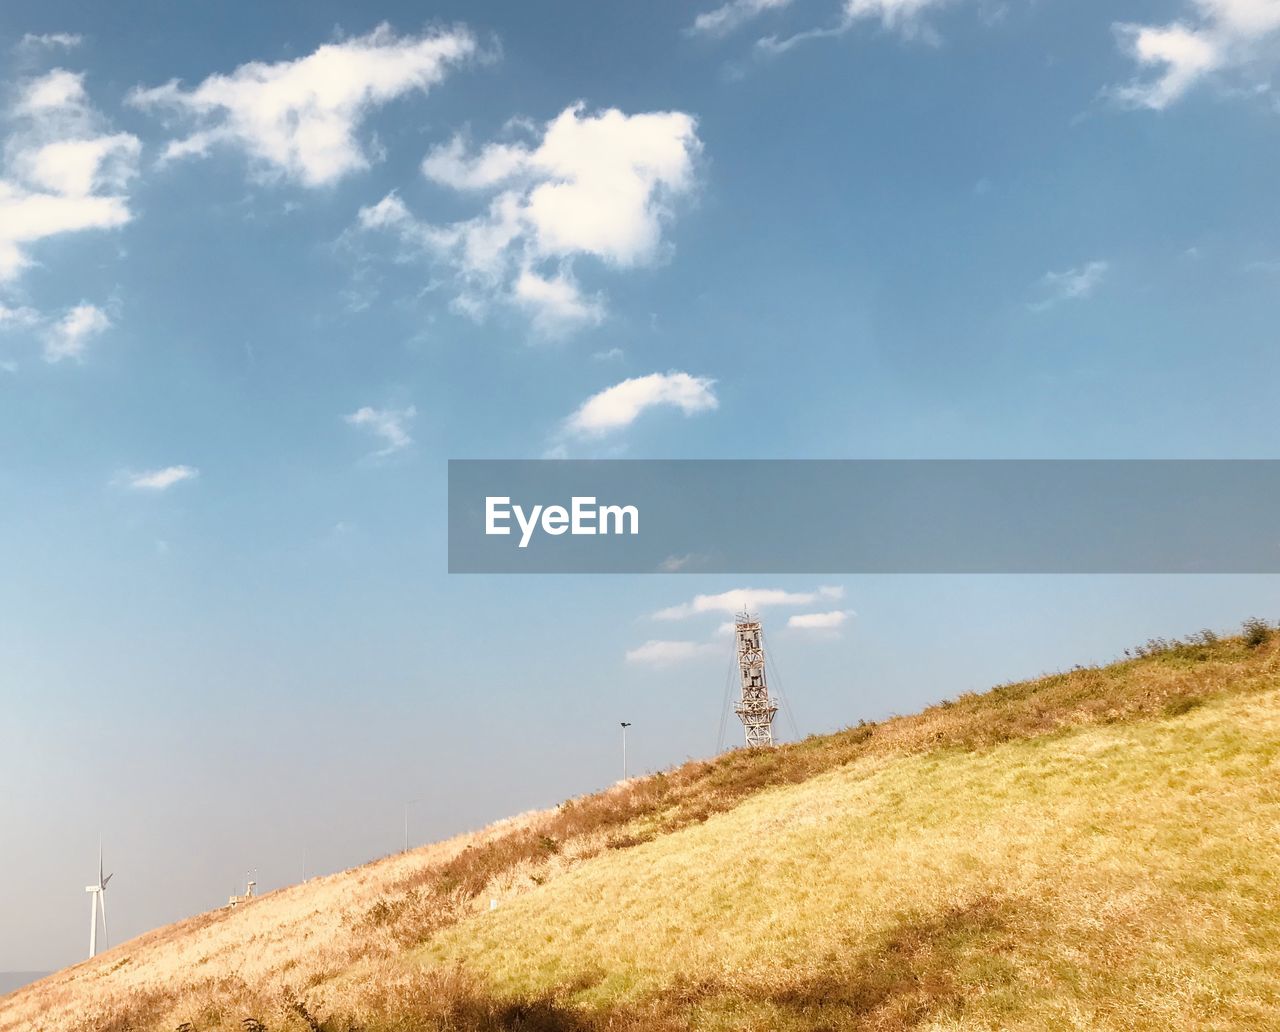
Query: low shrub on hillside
(1256, 632)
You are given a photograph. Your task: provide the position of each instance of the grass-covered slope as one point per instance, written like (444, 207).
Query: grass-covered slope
(1096, 849)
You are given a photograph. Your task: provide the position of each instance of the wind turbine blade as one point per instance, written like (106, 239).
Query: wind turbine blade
(99, 861)
(104, 881)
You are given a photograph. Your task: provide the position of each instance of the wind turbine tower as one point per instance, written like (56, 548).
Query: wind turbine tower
(97, 905)
(754, 707)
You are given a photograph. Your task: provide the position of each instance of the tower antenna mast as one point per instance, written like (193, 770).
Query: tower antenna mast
(754, 707)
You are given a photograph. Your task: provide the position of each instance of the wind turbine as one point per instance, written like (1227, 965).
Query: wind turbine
(98, 901)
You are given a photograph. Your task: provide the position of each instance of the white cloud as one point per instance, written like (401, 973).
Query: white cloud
(388, 213)
(905, 17)
(65, 40)
(901, 15)
(301, 118)
(597, 185)
(27, 217)
(77, 168)
(63, 172)
(55, 91)
(161, 479)
(556, 304)
(392, 425)
(1184, 54)
(70, 335)
(728, 16)
(1221, 34)
(670, 653)
(619, 406)
(747, 599)
(663, 653)
(893, 14)
(495, 165)
(1071, 284)
(15, 318)
(819, 621)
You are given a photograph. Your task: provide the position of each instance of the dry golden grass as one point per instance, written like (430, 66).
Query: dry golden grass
(1113, 877)
(1088, 850)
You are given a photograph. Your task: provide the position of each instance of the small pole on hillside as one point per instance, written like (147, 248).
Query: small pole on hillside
(406, 823)
(625, 725)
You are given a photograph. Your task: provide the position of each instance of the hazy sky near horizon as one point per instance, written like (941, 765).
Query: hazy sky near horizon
(265, 268)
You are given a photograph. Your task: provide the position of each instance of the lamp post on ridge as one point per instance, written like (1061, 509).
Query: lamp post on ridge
(625, 725)
(408, 804)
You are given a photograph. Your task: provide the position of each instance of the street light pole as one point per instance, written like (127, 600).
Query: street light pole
(625, 725)
(406, 823)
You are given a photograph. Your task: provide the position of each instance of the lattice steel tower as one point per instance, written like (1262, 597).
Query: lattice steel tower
(754, 707)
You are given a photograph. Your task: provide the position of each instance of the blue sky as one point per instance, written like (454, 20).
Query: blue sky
(263, 270)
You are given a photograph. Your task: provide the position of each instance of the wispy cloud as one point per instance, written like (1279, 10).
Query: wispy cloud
(160, 479)
(17, 318)
(620, 405)
(555, 304)
(51, 41)
(901, 15)
(391, 425)
(671, 653)
(667, 652)
(1070, 284)
(300, 119)
(749, 600)
(69, 337)
(1219, 35)
(831, 621)
(598, 185)
(905, 17)
(63, 172)
(729, 16)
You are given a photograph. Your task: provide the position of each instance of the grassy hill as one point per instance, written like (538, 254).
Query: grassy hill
(1094, 849)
